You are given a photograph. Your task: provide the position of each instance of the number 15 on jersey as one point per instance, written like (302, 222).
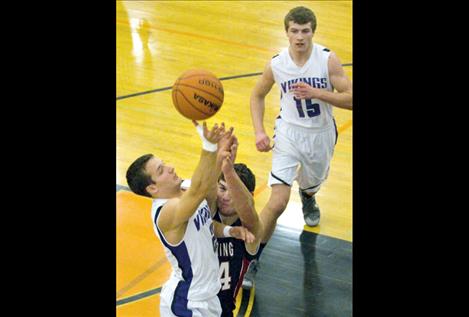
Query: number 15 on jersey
(312, 109)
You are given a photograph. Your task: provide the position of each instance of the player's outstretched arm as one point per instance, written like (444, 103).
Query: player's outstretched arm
(177, 211)
(225, 146)
(243, 202)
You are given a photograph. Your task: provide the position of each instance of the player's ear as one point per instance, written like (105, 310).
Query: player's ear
(152, 189)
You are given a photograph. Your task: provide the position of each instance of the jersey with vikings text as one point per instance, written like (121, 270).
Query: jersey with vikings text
(194, 260)
(234, 261)
(308, 113)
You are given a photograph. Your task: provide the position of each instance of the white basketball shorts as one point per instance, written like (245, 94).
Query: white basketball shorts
(173, 307)
(302, 155)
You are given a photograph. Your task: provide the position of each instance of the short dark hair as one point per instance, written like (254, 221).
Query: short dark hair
(245, 174)
(300, 15)
(137, 178)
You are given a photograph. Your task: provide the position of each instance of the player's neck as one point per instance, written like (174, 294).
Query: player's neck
(300, 58)
(169, 194)
(228, 220)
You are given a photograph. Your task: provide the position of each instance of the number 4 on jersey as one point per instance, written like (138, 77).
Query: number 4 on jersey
(312, 109)
(224, 274)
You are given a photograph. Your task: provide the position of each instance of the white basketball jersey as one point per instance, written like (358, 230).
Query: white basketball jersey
(194, 260)
(308, 113)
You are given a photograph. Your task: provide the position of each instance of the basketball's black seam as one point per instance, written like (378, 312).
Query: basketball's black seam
(176, 97)
(177, 103)
(201, 90)
(208, 114)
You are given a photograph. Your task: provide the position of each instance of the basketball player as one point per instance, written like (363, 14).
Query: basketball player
(183, 222)
(311, 81)
(235, 208)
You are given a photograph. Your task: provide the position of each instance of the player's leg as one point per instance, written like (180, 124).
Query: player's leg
(285, 161)
(311, 211)
(282, 175)
(277, 203)
(314, 169)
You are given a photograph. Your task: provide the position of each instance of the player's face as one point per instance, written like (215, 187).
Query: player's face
(161, 173)
(224, 203)
(300, 36)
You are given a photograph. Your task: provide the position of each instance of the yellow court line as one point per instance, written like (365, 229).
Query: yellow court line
(239, 299)
(251, 301)
(345, 126)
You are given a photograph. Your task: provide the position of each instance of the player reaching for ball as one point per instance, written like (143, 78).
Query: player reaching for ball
(183, 222)
(235, 208)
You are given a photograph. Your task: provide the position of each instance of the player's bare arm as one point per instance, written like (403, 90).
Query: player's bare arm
(243, 202)
(342, 98)
(177, 211)
(262, 88)
(226, 145)
(237, 232)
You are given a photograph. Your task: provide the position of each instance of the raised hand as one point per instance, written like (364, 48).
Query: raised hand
(234, 149)
(229, 158)
(224, 144)
(215, 134)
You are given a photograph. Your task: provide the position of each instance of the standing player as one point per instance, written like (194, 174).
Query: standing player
(305, 133)
(235, 208)
(183, 222)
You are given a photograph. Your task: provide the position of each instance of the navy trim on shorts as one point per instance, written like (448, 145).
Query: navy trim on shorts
(336, 132)
(279, 179)
(304, 190)
(179, 304)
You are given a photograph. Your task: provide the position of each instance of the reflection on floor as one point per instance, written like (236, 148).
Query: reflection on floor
(304, 274)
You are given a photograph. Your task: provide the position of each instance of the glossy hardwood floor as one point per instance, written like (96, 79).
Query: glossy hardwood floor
(157, 41)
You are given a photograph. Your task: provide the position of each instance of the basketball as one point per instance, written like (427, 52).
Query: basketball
(197, 94)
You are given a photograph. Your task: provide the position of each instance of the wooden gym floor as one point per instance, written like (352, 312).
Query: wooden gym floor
(304, 271)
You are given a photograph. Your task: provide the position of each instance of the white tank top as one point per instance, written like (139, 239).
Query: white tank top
(308, 113)
(194, 260)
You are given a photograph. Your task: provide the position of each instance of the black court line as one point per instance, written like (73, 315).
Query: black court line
(168, 88)
(140, 277)
(121, 187)
(138, 296)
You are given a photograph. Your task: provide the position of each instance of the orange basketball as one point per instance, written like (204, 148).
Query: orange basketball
(197, 94)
